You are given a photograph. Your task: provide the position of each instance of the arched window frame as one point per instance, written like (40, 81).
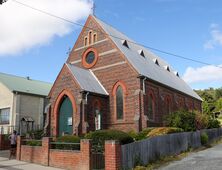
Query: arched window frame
(124, 89)
(168, 104)
(56, 108)
(84, 55)
(85, 40)
(150, 95)
(97, 104)
(94, 37)
(90, 37)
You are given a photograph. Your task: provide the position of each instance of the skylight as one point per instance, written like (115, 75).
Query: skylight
(124, 43)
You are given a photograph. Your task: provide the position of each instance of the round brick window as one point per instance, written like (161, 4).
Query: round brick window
(89, 58)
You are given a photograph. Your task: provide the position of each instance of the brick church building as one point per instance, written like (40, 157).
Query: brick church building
(109, 82)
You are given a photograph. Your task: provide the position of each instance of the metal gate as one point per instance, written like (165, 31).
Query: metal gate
(98, 157)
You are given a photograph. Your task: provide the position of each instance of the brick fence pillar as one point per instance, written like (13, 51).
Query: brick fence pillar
(18, 149)
(85, 148)
(112, 155)
(46, 149)
(1, 142)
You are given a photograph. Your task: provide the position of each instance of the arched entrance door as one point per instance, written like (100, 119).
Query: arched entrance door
(65, 116)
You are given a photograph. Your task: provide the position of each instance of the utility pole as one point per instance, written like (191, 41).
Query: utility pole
(2, 1)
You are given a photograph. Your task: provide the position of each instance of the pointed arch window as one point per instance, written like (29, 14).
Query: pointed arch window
(151, 107)
(119, 102)
(119, 93)
(90, 37)
(168, 104)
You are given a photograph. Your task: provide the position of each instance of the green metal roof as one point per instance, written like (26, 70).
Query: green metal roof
(25, 85)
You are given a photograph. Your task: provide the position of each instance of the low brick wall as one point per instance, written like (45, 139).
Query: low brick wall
(4, 142)
(43, 155)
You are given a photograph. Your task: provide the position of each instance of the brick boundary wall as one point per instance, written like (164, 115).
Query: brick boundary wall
(43, 155)
(4, 142)
(112, 155)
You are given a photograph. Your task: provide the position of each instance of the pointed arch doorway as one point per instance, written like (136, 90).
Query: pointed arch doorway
(65, 111)
(65, 116)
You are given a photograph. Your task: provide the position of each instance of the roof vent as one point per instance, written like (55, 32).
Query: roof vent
(156, 61)
(167, 68)
(141, 53)
(124, 42)
(176, 73)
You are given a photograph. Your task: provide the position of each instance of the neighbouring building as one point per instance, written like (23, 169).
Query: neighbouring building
(22, 103)
(109, 82)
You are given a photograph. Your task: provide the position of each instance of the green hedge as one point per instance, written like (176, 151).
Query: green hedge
(163, 131)
(34, 143)
(99, 137)
(63, 140)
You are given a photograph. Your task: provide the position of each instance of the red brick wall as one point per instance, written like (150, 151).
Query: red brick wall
(112, 155)
(177, 101)
(4, 142)
(134, 100)
(63, 82)
(74, 160)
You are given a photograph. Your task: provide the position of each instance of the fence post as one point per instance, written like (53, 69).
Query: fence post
(112, 155)
(18, 152)
(46, 149)
(85, 148)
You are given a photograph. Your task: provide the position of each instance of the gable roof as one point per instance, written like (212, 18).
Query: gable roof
(25, 85)
(145, 65)
(87, 80)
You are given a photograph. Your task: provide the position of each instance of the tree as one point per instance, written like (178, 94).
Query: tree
(218, 93)
(218, 105)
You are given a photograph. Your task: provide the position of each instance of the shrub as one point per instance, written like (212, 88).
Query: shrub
(213, 123)
(34, 143)
(163, 131)
(64, 140)
(143, 134)
(181, 119)
(201, 120)
(36, 134)
(100, 136)
(68, 139)
(204, 138)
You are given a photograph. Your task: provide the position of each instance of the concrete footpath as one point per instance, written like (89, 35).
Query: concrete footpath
(209, 159)
(13, 164)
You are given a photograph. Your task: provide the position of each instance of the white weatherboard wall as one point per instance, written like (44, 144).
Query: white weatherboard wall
(6, 101)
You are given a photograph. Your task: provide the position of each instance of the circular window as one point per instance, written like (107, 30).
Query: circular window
(89, 58)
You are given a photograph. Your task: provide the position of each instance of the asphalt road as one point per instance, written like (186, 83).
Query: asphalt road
(209, 159)
(13, 164)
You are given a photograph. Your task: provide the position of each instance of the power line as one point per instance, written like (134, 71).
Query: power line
(90, 28)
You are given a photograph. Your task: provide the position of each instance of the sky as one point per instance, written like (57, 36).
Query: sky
(36, 45)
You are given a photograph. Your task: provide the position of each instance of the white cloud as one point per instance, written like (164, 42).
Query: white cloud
(22, 28)
(205, 74)
(216, 37)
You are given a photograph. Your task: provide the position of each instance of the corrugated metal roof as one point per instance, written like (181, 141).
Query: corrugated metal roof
(25, 85)
(145, 65)
(87, 80)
